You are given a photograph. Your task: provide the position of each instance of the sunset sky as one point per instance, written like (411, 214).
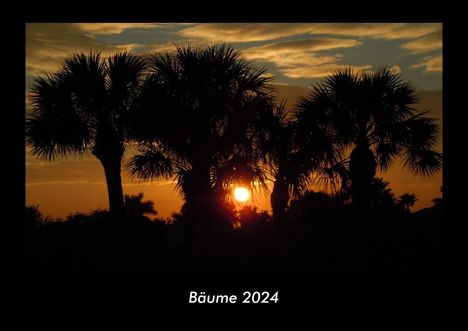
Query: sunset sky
(295, 55)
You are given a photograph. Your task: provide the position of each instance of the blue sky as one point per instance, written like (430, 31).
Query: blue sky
(294, 53)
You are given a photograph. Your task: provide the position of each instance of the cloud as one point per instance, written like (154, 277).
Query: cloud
(240, 32)
(395, 68)
(302, 58)
(247, 32)
(378, 30)
(130, 47)
(299, 58)
(299, 46)
(430, 42)
(97, 182)
(47, 45)
(317, 71)
(430, 64)
(77, 169)
(65, 182)
(171, 46)
(114, 28)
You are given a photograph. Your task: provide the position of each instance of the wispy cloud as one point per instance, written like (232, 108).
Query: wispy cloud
(97, 182)
(171, 46)
(114, 28)
(378, 30)
(430, 64)
(430, 42)
(304, 58)
(65, 182)
(317, 71)
(241, 32)
(299, 58)
(48, 44)
(305, 45)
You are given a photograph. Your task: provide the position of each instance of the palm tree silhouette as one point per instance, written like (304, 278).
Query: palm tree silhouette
(289, 159)
(290, 176)
(137, 207)
(407, 200)
(197, 116)
(381, 194)
(84, 106)
(371, 115)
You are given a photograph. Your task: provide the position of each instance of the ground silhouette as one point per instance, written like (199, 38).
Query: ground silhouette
(320, 236)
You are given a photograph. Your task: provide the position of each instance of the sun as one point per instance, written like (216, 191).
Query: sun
(241, 194)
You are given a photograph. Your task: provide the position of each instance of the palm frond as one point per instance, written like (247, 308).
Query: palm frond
(424, 162)
(385, 154)
(419, 132)
(55, 126)
(152, 162)
(85, 76)
(125, 73)
(333, 177)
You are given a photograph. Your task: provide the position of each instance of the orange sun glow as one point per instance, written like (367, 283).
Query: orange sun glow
(241, 194)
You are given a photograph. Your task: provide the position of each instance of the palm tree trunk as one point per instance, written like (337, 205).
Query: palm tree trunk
(205, 204)
(199, 202)
(112, 172)
(109, 150)
(279, 201)
(362, 168)
(190, 225)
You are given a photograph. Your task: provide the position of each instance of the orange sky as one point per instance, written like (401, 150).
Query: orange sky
(296, 55)
(78, 184)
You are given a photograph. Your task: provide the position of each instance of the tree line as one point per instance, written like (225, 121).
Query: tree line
(209, 119)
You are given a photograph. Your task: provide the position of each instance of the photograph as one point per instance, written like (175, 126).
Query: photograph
(302, 149)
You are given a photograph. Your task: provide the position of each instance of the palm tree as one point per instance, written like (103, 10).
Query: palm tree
(84, 107)
(381, 195)
(407, 200)
(197, 115)
(371, 115)
(289, 159)
(137, 207)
